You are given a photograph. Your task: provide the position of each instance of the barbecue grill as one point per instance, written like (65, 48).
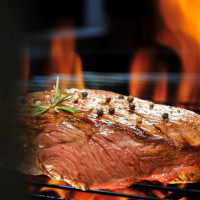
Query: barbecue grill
(175, 193)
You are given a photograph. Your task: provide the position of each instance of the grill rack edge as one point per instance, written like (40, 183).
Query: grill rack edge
(176, 193)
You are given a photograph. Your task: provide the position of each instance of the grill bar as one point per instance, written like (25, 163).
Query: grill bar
(176, 192)
(40, 196)
(183, 191)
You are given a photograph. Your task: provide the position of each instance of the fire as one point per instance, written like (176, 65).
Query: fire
(140, 86)
(179, 30)
(76, 195)
(183, 185)
(64, 60)
(61, 193)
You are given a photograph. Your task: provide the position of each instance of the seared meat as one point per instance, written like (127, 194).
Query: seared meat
(121, 145)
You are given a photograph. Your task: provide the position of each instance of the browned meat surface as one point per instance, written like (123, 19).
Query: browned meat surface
(113, 150)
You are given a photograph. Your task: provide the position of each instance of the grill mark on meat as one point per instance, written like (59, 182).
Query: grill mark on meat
(143, 131)
(170, 141)
(175, 120)
(138, 131)
(82, 123)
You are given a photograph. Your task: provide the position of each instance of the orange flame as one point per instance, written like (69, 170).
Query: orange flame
(76, 195)
(64, 60)
(179, 30)
(61, 193)
(183, 185)
(142, 65)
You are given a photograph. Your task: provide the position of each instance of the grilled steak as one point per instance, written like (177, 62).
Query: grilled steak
(115, 141)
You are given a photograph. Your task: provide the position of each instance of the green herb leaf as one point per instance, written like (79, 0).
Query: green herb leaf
(67, 109)
(42, 111)
(56, 89)
(37, 110)
(56, 99)
(68, 96)
(52, 99)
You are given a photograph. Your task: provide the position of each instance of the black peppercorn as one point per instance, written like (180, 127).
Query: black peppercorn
(130, 99)
(108, 99)
(111, 111)
(132, 106)
(165, 116)
(84, 94)
(99, 112)
(120, 97)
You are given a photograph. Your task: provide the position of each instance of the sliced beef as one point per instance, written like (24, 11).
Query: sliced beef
(114, 149)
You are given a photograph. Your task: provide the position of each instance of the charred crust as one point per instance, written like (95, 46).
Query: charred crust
(188, 177)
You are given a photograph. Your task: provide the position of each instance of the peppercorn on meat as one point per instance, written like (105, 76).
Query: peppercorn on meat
(109, 145)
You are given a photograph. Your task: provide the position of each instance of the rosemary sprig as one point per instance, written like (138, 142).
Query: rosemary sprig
(67, 109)
(56, 89)
(56, 99)
(68, 96)
(37, 110)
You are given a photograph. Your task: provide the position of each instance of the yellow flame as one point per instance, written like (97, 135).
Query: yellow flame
(64, 60)
(180, 30)
(61, 193)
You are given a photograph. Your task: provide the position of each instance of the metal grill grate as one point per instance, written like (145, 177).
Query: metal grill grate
(175, 193)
